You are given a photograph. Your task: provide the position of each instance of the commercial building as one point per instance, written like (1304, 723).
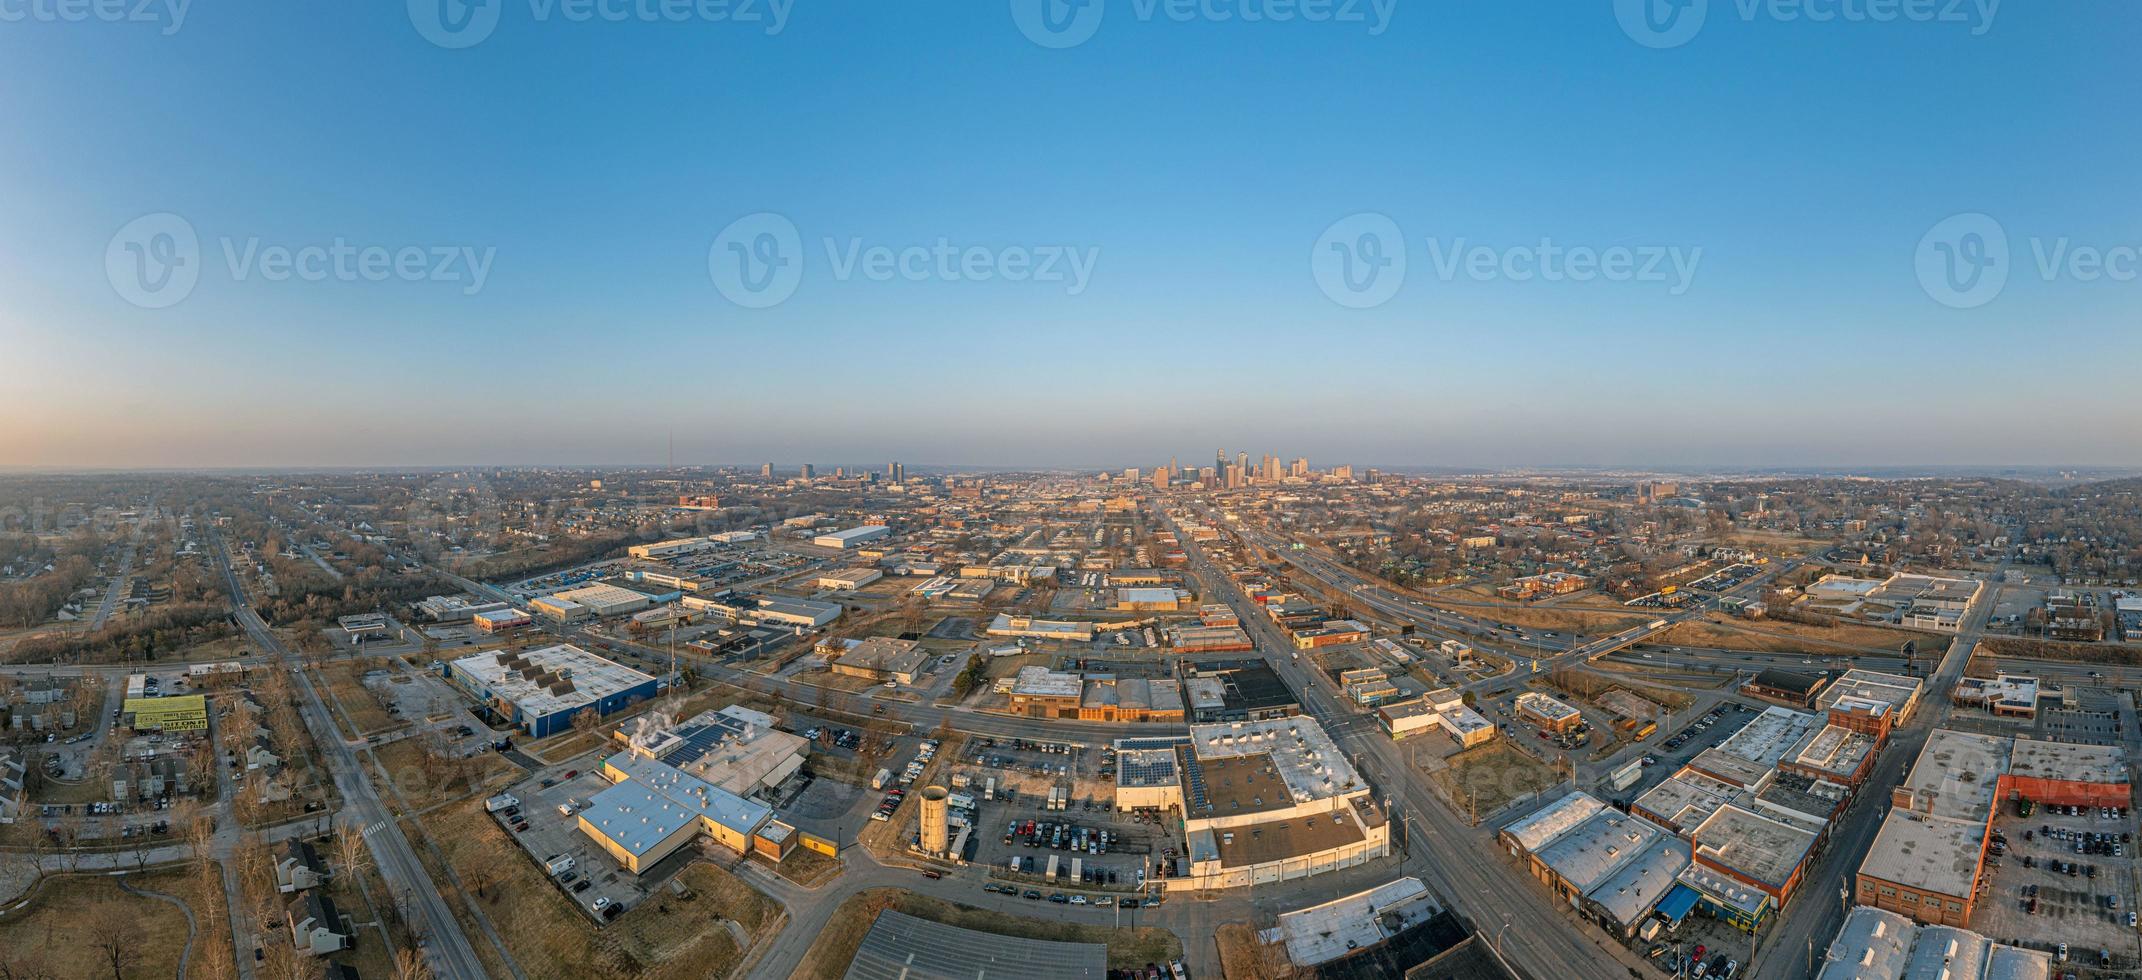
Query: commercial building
(1237, 690)
(363, 625)
(2006, 695)
(670, 549)
(852, 537)
(601, 601)
(187, 713)
(454, 608)
(733, 748)
(1148, 599)
(1613, 867)
(1337, 928)
(500, 620)
(1038, 692)
(539, 691)
(1443, 710)
(1756, 850)
(1040, 629)
(1875, 944)
(880, 658)
(652, 809)
(1212, 639)
(1330, 633)
(1789, 688)
(1546, 712)
(1929, 856)
(849, 579)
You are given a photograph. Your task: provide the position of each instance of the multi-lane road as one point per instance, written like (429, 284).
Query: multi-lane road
(445, 946)
(1514, 914)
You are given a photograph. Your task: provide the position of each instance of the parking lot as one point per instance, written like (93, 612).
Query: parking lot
(2057, 883)
(545, 832)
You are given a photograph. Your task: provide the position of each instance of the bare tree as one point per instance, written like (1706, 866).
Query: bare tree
(408, 965)
(117, 935)
(351, 854)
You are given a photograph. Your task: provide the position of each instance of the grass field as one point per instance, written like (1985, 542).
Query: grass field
(808, 868)
(836, 946)
(1562, 619)
(1486, 778)
(666, 937)
(58, 933)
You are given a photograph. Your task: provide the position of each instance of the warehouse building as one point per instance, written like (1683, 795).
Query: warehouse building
(1212, 639)
(1007, 624)
(455, 608)
(1613, 867)
(539, 691)
(734, 748)
(598, 601)
(1789, 688)
(1875, 944)
(1858, 692)
(849, 579)
(670, 549)
(1330, 633)
(652, 809)
(852, 537)
(1148, 599)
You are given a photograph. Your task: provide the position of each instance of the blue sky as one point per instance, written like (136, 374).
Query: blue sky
(1197, 161)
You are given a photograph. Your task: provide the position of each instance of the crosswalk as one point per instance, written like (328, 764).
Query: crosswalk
(374, 827)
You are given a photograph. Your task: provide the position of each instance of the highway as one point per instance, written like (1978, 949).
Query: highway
(445, 947)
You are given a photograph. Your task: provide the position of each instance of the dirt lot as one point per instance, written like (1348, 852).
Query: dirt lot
(1566, 619)
(829, 957)
(1776, 636)
(1488, 777)
(59, 932)
(362, 710)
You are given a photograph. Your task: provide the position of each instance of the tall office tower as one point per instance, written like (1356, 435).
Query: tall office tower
(1301, 466)
(1175, 469)
(1234, 476)
(1271, 468)
(1345, 472)
(766, 471)
(809, 471)
(840, 472)
(1242, 463)
(1219, 461)
(1209, 477)
(936, 833)
(1374, 475)
(896, 472)
(1160, 479)
(1130, 474)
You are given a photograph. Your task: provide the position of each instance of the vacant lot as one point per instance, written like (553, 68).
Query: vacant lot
(1486, 778)
(667, 937)
(836, 946)
(2080, 653)
(1242, 956)
(60, 932)
(807, 867)
(1775, 636)
(1562, 619)
(345, 682)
